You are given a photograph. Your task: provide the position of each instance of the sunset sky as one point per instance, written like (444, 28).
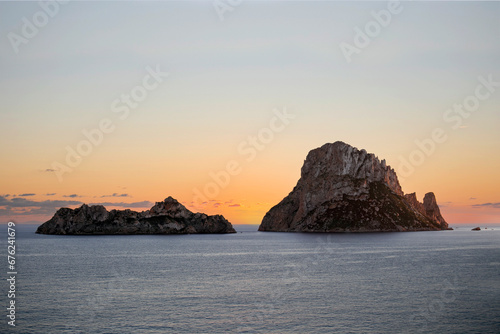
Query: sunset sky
(245, 99)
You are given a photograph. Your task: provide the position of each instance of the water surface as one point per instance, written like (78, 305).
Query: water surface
(258, 282)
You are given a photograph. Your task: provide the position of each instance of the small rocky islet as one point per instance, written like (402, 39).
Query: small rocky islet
(167, 217)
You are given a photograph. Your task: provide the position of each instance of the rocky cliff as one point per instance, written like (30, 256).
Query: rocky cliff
(343, 189)
(167, 217)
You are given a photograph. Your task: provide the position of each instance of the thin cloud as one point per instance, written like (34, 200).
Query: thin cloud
(487, 205)
(472, 198)
(6, 211)
(19, 205)
(116, 195)
(49, 170)
(72, 196)
(24, 203)
(37, 211)
(52, 194)
(143, 204)
(23, 206)
(3, 201)
(234, 205)
(444, 204)
(26, 195)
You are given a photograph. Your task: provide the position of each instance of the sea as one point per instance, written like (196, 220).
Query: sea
(255, 282)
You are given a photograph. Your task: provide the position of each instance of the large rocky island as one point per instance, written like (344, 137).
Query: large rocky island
(343, 189)
(167, 217)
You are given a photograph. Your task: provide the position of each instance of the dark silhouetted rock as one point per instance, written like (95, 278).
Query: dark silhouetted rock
(432, 210)
(167, 217)
(343, 189)
(476, 229)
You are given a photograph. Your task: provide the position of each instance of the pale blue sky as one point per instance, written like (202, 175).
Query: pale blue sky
(227, 76)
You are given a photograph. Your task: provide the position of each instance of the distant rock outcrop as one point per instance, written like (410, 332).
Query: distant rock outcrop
(476, 229)
(167, 217)
(343, 189)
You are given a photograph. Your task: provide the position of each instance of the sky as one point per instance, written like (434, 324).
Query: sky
(217, 103)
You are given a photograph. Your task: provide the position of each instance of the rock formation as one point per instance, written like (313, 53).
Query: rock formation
(167, 217)
(343, 189)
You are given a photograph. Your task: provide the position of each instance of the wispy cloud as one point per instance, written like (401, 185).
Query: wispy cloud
(214, 203)
(472, 198)
(487, 205)
(116, 195)
(28, 211)
(143, 204)
(52, 194)
(26, 195)
(22, 202)
(72, 196)
(23, 206)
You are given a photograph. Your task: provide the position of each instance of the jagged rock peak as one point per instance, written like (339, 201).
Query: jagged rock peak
(341, 159)
(170, 206)
(432, 209)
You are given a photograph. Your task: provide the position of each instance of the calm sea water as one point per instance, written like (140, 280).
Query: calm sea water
(257, 282)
